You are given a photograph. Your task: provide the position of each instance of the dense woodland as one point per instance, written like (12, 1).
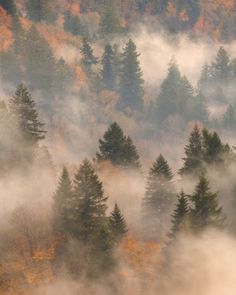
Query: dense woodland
(70, 160)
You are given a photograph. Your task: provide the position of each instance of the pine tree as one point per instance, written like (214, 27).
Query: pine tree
(193, 162)
(158, 200)
(39, 10)
(101, 257)
(73, 24)
(109, 23)
(220, 67)
(205, 78)
(117, 224)
(229, 120)
(24, 113)
(176, 96)
(62, 201)
(88, 59)
(202, 112)
(118, 148)
(39, 62)
(108, 71)
(88, 205)
(206, 211)
(218, 96)
(9, 6)
(131, 82)
(179, 218)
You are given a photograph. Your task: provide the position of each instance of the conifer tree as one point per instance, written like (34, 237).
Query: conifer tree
(193, 162)
(229, 120)
(73, 24)
(131, 82)
(159, 199)
(39, 62)
(88, 59)
(220, 67)
(205, 78)
(206, 211)
(9, 6)
(202, 112)
(118, 148)
(101, 257)
(218, 96)
(108, 71)
(179, 218)
(62, 201)
(39, 10)
(109, 23)
(24, 113)
(117, 224)
(88, 205)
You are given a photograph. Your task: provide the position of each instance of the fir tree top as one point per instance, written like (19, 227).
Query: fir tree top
(23, 109)
(161, 168)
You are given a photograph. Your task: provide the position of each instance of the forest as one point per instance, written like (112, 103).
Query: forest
(117, 147)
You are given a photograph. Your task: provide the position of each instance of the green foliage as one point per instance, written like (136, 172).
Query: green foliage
(24, 113)
(180, 216)
(118, 148)
(88, 205)
(109, 23)
(72, 24)
(62, 200)
(229, 119)
(220, 67)
(193, 162)
(131, 82)
(159, 198)
(206, 211)
(108, 68)
(39, 10)
(88, 59)
(39, 62)
(9, 6)
(117, 224)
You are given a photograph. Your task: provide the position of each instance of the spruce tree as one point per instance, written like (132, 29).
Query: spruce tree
(229, 119)
(9, 6)
(73, 24)
(131, 82)
(202, 112)
(193, 162)
(205, 78)
(159, 199)
(206, 211)
(88, 59)
(118, 148)
(39, 10)
(39, 62)
(62, 201)
(179, 218)
(109, 23)
(88, 204)
(117, 224)
(108, 71)
(220, 67)
(25, 115)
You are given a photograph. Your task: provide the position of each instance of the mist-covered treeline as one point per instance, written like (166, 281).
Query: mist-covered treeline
(117, 158)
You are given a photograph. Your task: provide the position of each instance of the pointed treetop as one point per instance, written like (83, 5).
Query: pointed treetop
(161, 168)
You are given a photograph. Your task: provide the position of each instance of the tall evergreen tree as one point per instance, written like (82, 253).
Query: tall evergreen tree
(205, 78)
(62, 201)
(179, 218)
(159, 199)
(131, 82)
(24, 113)
(118, 148)
(220, 67)
(39, 10)
(193, 162)
(229, 119)
(88, 59)
(108, 71)
(202, 112)
(109, 23)
(73, 24)
(9, 6)
(117, 224)
(88, 205)
(206, 211)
